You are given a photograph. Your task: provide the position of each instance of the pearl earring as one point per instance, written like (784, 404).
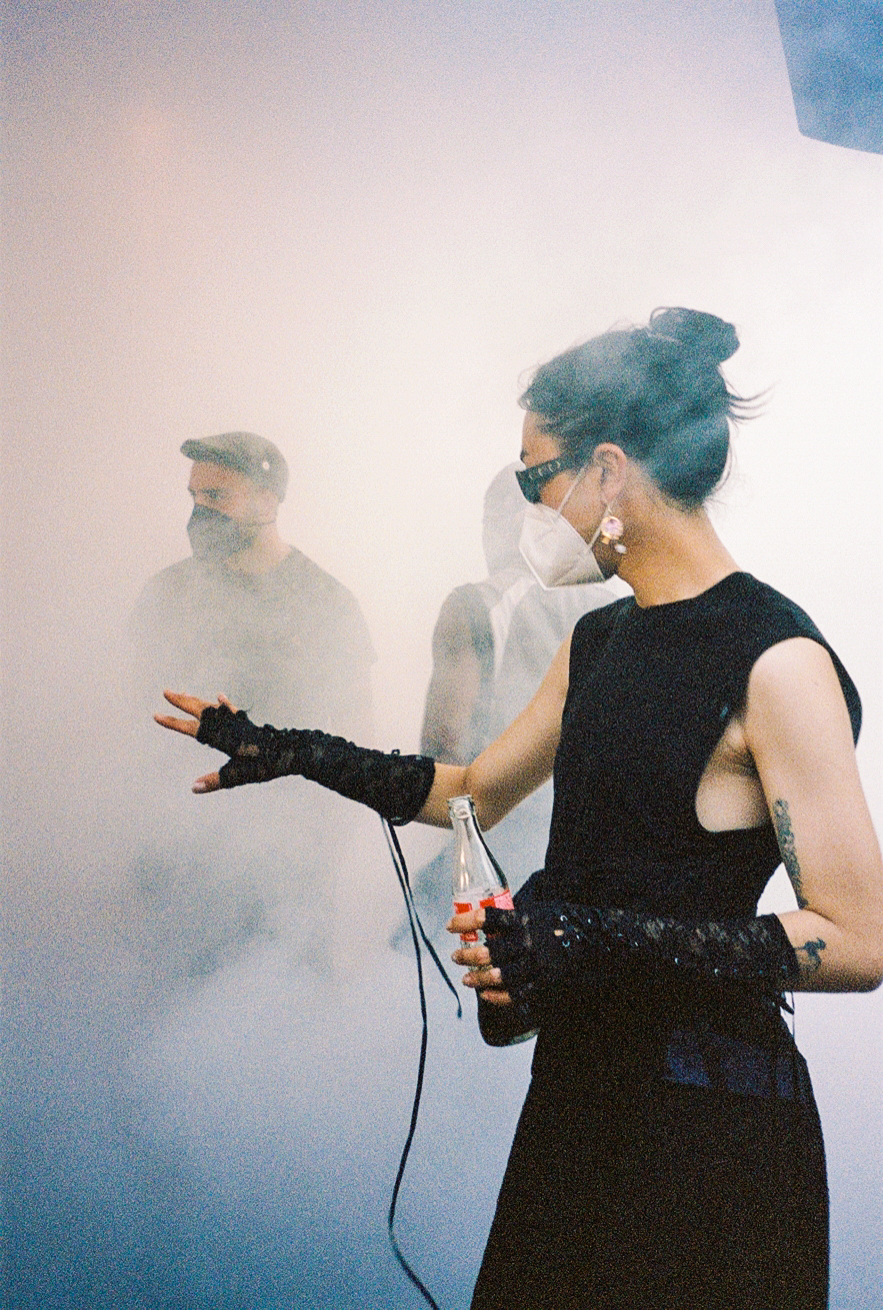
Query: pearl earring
(611, 531)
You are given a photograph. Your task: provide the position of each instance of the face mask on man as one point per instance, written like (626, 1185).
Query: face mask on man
(214, 536)
(553, 549)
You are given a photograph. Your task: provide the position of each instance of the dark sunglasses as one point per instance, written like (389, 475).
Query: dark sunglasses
(532, 480)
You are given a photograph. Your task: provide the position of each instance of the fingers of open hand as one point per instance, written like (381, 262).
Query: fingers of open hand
(193, 706)
(208, 782)
(188, 726)
(189, 704)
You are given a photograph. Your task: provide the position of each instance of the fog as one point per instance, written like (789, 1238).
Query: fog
(353, 228)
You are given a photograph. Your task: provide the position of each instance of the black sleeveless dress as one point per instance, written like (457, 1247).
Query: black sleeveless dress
(669, 1153)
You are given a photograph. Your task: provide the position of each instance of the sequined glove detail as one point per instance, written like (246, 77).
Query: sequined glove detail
(396, 786)
(552, 942)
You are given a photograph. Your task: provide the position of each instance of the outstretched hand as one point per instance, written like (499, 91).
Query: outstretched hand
(193, 707)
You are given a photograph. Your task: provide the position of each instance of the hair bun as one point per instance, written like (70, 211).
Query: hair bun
(706, 337)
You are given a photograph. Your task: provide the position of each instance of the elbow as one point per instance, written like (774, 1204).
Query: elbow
(870, 965)
(857, 940)
(873, 977)
(875, 954)
(855, 959)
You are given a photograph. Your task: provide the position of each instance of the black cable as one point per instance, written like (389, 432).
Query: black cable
(398, 860)
(415, 925)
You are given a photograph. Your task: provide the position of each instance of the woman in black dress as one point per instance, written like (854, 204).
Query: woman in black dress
(669, 1152)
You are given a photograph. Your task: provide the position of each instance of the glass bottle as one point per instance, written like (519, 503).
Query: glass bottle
(478, 879)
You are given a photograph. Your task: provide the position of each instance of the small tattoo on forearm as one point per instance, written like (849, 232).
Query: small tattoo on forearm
(785, 836)
(814, 953)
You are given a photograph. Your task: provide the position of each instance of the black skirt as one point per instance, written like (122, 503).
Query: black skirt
(675, 1172)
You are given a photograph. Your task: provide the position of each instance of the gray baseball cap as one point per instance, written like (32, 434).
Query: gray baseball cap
(256, 457)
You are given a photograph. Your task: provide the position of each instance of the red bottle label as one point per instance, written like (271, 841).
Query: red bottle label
(502, 900)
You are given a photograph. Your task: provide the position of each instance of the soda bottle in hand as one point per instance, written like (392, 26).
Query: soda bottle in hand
(478, 879)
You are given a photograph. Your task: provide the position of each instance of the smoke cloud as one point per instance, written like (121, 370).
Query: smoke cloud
(353, 228)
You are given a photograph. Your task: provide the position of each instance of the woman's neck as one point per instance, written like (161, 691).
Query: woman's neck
(674, 556)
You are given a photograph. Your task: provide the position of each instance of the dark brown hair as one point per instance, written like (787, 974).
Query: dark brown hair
(657, 392)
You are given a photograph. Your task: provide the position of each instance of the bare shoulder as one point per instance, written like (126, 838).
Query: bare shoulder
(792, 654)
(794, 693)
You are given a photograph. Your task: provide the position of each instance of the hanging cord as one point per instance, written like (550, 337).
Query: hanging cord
(401, 869)
(416, 926)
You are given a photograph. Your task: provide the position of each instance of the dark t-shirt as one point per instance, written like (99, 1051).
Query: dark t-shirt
(290, 646)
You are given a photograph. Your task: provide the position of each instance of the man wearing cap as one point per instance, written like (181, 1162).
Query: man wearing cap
(237, 481)
(249, 616)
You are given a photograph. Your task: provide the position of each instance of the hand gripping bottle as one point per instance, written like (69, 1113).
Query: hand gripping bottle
(478, 879)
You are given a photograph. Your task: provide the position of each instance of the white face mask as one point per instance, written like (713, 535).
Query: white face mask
(554, 551)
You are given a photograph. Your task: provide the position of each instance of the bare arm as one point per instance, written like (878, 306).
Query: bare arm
(511, 767)
(797, 729)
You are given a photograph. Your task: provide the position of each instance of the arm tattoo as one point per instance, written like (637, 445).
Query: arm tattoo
(785, 836)
(813, 952)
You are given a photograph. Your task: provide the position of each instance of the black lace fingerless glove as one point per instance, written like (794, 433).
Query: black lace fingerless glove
(552, 942)
(506, 1025)
(396, 786)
